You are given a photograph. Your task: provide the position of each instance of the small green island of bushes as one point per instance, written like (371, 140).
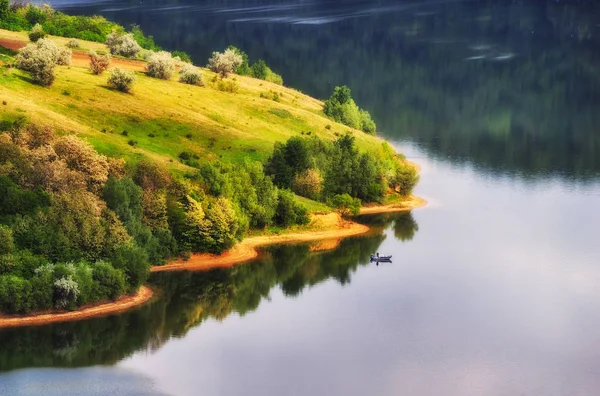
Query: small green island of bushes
(80, 227)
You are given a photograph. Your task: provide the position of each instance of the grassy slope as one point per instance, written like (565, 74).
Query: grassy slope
(222, 125)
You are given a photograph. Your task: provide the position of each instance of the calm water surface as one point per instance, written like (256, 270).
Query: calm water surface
(495, 285)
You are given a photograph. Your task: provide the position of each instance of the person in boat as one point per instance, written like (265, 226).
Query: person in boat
(377, 254)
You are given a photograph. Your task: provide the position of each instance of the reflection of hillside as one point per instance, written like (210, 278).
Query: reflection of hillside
(187, 299)
(525, 102)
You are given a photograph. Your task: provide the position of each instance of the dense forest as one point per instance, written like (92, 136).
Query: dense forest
(187, 302)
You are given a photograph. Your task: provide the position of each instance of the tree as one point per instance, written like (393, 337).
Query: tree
(98, 63)
(259, 69)
(39, 59)
(188, 74)
(4, 8)
(345, 205)
(120, 79)
(289, 212)
(122, 44)
(160, 65)
(6, 240)
(225, 62)
(82, 157)
(36, 33)
(308, 184)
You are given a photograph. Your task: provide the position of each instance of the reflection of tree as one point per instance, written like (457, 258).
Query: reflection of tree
(405, 227)
(535, 114)
(186, 300)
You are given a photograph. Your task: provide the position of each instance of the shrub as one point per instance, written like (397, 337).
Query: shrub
(190, 75)
(227, 86)
(122, 44)
(121, 80)
(225, 62)
(39, 59)
(73, 43)
(161, 65)
(98, 63)
(274, 77)
(36, 33)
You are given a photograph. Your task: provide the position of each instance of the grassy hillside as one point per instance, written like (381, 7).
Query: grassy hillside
(164, 118)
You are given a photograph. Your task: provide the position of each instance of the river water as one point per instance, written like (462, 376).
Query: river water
(495, 285)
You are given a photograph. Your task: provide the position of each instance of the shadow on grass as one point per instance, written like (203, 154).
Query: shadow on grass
(113, 89)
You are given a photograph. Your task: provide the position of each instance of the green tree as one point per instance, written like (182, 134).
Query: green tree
(345, 205)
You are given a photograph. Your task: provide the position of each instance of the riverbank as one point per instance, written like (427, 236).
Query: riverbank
(124, 303)
(323, 227)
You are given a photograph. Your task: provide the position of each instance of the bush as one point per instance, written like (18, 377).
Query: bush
(36, 33)
(98, 63)
(122, 44)
(225, 62)
(227, 86)
(39, 59)
(190, 75)
(121, 80)
(160, 65)
(73, 43)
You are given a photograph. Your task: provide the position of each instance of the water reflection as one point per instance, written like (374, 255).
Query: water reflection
(189, 298)
(508, 86)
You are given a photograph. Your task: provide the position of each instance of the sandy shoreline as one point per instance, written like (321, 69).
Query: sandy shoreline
(336, 228)
(122, 304)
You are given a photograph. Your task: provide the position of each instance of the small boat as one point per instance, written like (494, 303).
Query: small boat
(381, 258)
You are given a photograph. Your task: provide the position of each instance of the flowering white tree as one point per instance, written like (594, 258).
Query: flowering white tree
(122, 44)
(40, 59)
(225, 62)
(190, 75)
(161, 65)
